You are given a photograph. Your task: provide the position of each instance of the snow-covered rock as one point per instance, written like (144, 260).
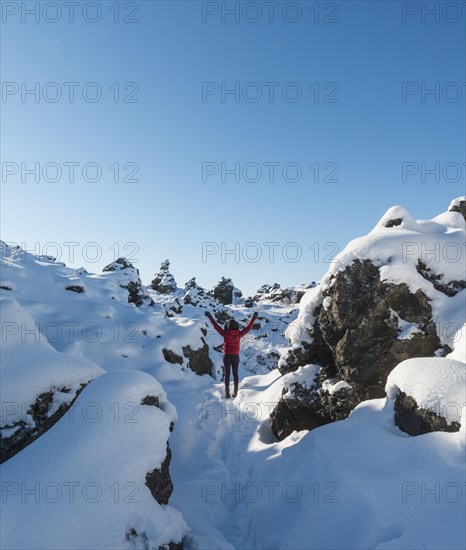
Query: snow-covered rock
(128, 277)
(458, 205)
(163, 280)
(99, 478)
(428, 394)
(393, 294)
(38, 383)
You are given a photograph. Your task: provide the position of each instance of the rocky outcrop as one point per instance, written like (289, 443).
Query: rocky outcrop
(198, 359)
(159, 481)
(163, 280)
(366, 338)
(412, 419)
(160, 484)
(316, 353)
(130, 280)
(363, 328)
(193, 293)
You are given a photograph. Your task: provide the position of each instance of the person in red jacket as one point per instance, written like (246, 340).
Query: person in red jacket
(231, 343)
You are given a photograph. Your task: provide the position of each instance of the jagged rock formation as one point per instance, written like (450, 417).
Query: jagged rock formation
(415, 420)
(131, 280)
(198, 359)
(163, 280)
(358, 325)
(23, 433)
(159, 480)
(449, 288)
(194, 294)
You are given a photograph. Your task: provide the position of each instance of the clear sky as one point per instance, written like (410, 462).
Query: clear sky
(224, 126)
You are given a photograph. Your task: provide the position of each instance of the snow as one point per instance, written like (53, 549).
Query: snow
(456, 202)
(84, 479)
(406, 330)
(459, 343)
(99, 324)
(358, 483)
(327, 302)
(30, 366)
(436, 384)
(305, 376)
(332, 387)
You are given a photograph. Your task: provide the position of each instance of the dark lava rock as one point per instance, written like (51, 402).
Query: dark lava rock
(223, 291)
(417, 421)
(393, 223)
(159, 481)
(151, 400)
(356, 339)
(449, 289)
(302, 411)
(249, 302)
(26, 434)
(163, 280)
(172, 357)
(198, 359)
(459, 206)
(75, 288)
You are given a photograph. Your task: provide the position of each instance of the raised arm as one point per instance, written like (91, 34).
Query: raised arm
(217, 327)
(249, 325)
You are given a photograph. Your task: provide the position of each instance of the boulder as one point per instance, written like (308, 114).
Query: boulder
(415, 420)
(357, 338)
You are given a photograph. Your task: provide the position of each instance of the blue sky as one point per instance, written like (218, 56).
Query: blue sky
(358, 131)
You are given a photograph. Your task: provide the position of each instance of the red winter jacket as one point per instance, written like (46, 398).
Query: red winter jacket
(231, 338)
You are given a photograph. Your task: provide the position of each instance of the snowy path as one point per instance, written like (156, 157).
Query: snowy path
(212, 444)
(235, 485)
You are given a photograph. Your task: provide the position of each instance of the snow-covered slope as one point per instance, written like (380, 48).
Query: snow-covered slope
(118, 361)
(99, 324)
(83, 483)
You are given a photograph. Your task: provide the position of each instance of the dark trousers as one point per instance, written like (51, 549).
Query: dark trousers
(231, 362)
